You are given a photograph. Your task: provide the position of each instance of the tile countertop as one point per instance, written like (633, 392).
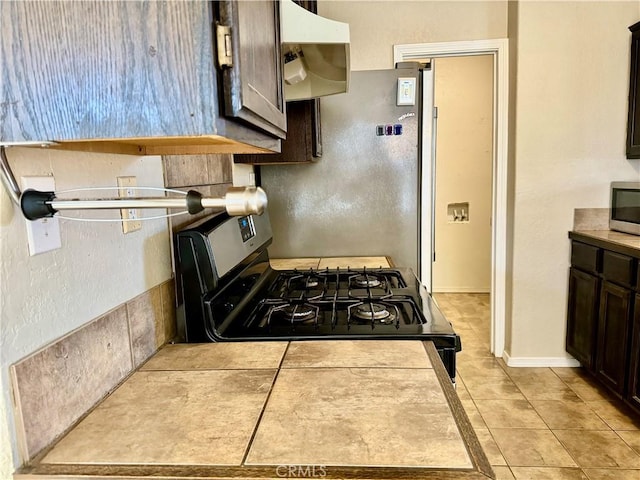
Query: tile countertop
(334, 409)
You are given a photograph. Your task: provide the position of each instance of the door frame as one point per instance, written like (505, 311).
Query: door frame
(499, 48)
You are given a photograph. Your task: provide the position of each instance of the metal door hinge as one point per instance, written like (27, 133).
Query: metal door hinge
(223, 37)
(435, 112)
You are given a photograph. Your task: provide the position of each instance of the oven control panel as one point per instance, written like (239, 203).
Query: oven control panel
(236, 238)
(247, 229)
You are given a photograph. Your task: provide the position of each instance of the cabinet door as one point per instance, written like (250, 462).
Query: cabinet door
(582, 316)
(634, 374)
(303, 143)
(633, 120)
(252, 85)
(304, 138)
(613, 335)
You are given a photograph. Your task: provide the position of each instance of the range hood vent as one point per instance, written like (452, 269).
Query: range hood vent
(316, 53)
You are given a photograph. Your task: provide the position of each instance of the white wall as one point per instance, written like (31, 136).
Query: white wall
(464, 156)
(376, 26)
(48, 295)
(571, 108)
(6, 462)
(569, 105)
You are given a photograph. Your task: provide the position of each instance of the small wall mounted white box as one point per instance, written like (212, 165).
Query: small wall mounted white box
(43, 234)
(406, 91)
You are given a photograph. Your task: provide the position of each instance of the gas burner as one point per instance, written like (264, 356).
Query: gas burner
(304, 281)
(312, 281)
(299, 313)
(366, 280)
(374, 312)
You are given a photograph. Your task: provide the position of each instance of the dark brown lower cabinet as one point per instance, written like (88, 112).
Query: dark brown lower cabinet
(603, 314)
(582, 316)
(613, 336)
(634, 373)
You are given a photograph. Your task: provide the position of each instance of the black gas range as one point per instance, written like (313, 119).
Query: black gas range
(227, 291)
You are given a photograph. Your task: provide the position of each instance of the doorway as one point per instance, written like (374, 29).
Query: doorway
(463, 96)
(498, 48)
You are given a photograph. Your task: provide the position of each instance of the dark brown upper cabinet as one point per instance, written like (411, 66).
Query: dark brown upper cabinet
(252, 84)
(304, 138)
(633, 121)
(142, 77)
(304, 135)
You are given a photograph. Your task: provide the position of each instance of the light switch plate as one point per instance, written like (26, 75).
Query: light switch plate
(43, 234)
(406, 91)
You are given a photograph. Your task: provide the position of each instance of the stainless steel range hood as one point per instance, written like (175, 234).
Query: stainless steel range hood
(316, 53)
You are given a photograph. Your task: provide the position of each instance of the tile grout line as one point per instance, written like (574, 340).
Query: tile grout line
(264, 406)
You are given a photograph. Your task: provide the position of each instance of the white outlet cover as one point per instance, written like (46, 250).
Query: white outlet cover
(43, 235)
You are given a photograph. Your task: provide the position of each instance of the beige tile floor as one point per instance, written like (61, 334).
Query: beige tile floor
(538, 423)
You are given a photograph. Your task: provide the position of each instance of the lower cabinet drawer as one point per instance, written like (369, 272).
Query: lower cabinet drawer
(586, 257)
(618, 268)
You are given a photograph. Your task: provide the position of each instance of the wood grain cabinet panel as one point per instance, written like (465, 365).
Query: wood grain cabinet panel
(253, 89)
(140, 77)
(618, 268)
(634, 373)
(303, 143)
(582, 316)
(613, 336)
(633, 120)
(586, 257)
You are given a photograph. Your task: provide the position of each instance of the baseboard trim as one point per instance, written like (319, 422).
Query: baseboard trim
(539, 361)
(461, 290)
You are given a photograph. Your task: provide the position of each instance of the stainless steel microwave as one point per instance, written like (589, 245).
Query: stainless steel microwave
(625, 207)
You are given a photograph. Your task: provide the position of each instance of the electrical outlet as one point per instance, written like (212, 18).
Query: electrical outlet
(130, 216)
(43, 234)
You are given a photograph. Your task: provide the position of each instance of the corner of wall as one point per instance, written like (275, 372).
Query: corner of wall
(513, 8)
